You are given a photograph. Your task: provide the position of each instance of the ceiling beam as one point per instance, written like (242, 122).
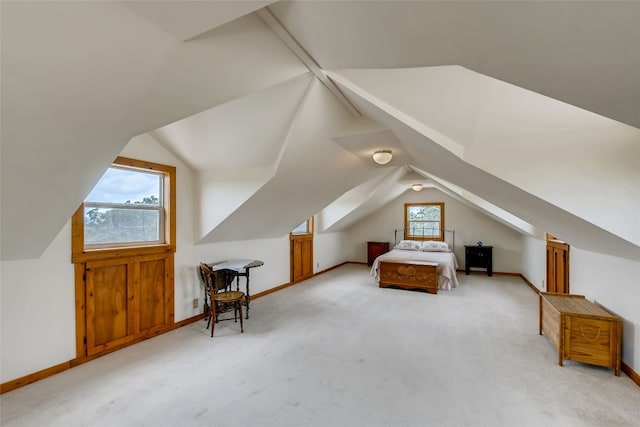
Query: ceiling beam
(284, 35)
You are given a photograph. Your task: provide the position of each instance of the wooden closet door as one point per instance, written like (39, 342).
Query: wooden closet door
(557, 267)
(109, 294)
(301, 257)
(127, 299)
(154, 293)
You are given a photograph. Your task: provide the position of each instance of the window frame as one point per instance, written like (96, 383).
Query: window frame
(132, 207)
(309, 231)
(407, 230)
(80, 253)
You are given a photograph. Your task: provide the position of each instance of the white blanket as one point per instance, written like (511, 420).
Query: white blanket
(447, 264)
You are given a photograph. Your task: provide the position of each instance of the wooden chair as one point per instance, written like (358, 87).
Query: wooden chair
(221, 298)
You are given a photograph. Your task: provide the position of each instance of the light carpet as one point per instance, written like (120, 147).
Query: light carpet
(336, 350)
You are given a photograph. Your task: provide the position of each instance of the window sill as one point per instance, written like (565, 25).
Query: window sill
(129, 251)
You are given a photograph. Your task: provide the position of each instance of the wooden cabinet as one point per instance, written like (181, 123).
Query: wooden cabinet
(478, 256)
(127, 299)
(375, 249)
(581, 330)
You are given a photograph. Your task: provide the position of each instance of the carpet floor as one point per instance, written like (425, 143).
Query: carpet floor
(336, 350)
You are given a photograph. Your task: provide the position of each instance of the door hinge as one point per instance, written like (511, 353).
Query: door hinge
(85, 340)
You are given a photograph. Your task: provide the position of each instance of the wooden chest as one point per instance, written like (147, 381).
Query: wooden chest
(581, 330)
(407, 275)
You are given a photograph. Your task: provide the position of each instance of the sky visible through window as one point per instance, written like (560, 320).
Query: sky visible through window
(119, 185)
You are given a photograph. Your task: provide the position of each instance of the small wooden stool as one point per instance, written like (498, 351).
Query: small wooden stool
(229, 298)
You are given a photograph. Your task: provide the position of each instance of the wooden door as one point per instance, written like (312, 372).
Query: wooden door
(107, 296)
(127, 299)
(301, 257)
(153, 292)
(557, 267)
(302, 251)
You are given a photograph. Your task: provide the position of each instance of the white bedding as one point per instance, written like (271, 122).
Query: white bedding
(447, 264)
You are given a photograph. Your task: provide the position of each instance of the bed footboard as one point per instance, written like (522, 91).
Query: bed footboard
(407, 275)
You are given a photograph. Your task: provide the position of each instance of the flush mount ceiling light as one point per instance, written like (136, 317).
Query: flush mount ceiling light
(416, 187)
(382, 157)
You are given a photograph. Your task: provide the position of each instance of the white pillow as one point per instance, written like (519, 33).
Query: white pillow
(433, 246)
(408, 245)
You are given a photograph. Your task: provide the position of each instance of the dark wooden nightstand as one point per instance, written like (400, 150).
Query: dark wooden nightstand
(375, 249)
(478, 256)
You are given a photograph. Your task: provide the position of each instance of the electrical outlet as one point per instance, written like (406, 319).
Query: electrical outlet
(543, 284)
(317, 265)
(195, 303)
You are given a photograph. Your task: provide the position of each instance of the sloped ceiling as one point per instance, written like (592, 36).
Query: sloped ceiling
(582, 53)
(508, 134)
(74, 92)
(193, 74)
(187, 19)
(247, 132)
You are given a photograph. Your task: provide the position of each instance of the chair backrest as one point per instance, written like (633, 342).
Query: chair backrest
(202, 269)
(214, 281)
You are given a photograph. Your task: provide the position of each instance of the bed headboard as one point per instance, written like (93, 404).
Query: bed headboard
(449, 236)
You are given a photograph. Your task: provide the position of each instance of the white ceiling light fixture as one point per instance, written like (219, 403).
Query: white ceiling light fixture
(382, 157)
(416, 187)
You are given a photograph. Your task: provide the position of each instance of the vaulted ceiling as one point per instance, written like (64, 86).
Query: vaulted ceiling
(528, 111)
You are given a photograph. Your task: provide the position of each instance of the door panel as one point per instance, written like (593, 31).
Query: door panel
(301, 257)
(557, 267)
(107, 303)
(152, 294)
(306, 266)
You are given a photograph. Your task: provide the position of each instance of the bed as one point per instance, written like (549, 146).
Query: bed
(413, 264)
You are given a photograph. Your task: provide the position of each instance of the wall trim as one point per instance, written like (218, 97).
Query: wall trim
(56, 369)
(36, 376)
(272, 290)
(635, 377)
(484, 272)
(531, 285)
(286, 285)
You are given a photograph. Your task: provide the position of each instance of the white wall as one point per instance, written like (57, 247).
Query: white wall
(534, 259)
(330, 249)
(609, 281)
(37, 316)
(613, 283)
(470, 226)
(38, 298)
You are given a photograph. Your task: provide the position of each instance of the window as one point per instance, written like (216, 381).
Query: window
(132, 205)
(304, 228)
(125, 208)
(424, 221)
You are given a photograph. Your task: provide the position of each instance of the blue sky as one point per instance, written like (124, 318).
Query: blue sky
(120, 185)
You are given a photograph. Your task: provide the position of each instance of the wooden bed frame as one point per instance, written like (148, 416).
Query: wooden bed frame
(413, 274)
(407, 275)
